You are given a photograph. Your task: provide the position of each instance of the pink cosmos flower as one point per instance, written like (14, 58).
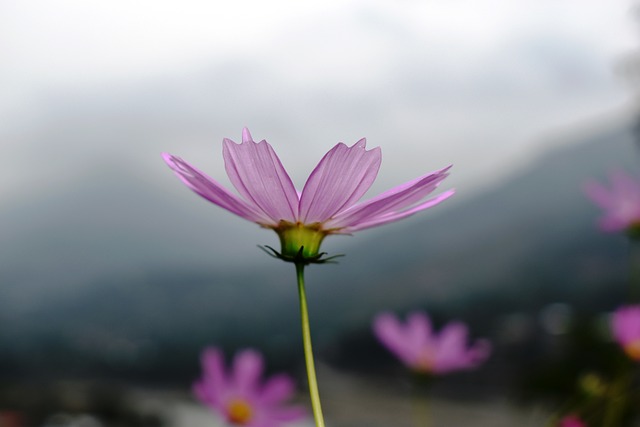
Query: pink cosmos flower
(421, 349)
(625, 326)
(621, 203)
(239, 397)
(328, 202)
(571, 420)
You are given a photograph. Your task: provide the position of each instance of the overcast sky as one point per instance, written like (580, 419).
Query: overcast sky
(482, 84)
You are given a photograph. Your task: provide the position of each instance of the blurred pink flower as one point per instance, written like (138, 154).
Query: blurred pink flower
(571, 421)
(239, 397)
(625, 326)
(421, 349)
(326, 205)
(621, 203)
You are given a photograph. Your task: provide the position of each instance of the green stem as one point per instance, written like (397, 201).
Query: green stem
(420, 385)
(617, 397)
(308, 351)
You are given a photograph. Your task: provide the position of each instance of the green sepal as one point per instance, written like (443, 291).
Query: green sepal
(300, 258)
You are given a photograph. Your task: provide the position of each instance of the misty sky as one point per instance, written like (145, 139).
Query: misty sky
(482, 84)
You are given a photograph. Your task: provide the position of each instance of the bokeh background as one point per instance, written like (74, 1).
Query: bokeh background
(114, 276)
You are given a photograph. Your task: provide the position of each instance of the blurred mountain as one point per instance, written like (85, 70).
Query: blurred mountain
(111, 276)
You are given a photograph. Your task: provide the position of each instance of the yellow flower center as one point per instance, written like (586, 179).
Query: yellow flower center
(633, 350)
(298, 235)
(239, 412)
(425, 362)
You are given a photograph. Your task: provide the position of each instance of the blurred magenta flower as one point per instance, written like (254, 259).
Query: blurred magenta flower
(625, 326)
(621, 203)
(239, 397)
(421, 349)
(571, 420)
(327, 203)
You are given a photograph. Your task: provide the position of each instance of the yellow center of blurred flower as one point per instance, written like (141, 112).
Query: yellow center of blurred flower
(239, 412)
(425, 362)
(633, 350)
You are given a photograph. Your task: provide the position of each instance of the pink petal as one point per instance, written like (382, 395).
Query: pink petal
(452, 341)
(612, 223)
(209, 189)
(214, 382)
(256, 172)
(247, 369)
(621, 203)
(338, 181)
(598, 194)
(390, 205)
(480, 351)
(277, 389)
(452, 351)
(623, 184)
(625, 324)
(286, 414)
(572, 421)
(418, 332)
(203, 393)
(392, 217)
(392, 335)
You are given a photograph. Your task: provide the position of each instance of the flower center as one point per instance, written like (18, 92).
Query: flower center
(424, 363)
(633, 349)
(239, 412)
(300, 239)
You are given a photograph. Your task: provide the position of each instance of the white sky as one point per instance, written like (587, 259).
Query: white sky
(476, 83)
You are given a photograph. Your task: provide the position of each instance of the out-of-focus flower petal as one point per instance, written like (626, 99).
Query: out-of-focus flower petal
(288, 414)
(479, 352)
(214, 381)
(421, 349)
(256, 172)
(598, 193)
(572, 420)
(247, 370)
(625, 324)
(391, 333)
(621, 203)
(340, 179)
(277, 389)
(623, 184)
(417, 334)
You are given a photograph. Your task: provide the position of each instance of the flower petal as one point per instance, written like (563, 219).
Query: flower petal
(418, 332)
(623, 184)
(392, 335)
(256, 172)
(287, 414)
(213, 383)
(625, 324)
(277, 388)
(393, 204)
(211, 190)
(338, 181)
(599, 194)
(479, 352)
(247, 369)
(396, 216)
(451, 351)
